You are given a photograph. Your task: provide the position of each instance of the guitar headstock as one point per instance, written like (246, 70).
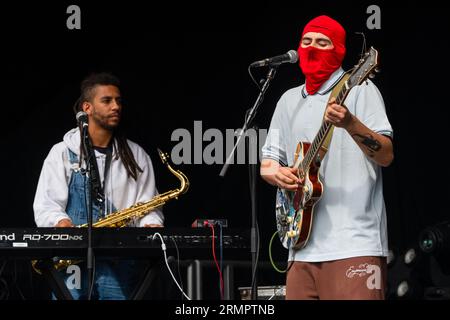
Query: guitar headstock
(365, 68)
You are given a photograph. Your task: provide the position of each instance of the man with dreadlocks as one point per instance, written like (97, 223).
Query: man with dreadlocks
(126, 177)
(345, 256)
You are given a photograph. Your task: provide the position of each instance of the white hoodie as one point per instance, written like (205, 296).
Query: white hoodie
(53, 188)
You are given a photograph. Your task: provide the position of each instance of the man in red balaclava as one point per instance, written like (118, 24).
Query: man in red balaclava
(345, 254)
(321, 51)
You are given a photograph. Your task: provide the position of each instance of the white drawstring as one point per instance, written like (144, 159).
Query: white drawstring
(110, 191)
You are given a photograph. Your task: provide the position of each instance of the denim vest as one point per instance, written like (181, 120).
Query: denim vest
(79, 195)
(114, 279)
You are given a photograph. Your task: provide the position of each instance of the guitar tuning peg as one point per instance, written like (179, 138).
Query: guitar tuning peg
(377, 70)
(371, 75)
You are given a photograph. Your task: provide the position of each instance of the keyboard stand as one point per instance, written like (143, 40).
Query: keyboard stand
(149, 276)
(54, 279)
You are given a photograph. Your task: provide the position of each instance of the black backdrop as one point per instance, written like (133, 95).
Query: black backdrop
(185, 63)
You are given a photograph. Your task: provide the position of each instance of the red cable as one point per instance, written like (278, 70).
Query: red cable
(215, 259)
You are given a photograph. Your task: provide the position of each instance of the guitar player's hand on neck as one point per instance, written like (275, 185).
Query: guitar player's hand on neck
(374, 145)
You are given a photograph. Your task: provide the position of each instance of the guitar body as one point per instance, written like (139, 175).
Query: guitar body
(295, 210)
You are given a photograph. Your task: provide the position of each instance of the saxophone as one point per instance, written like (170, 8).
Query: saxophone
(123, 217)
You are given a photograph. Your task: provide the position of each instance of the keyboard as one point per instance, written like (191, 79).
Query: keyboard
(34, 243)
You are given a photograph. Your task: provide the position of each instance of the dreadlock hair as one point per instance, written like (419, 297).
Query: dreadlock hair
(120, 144)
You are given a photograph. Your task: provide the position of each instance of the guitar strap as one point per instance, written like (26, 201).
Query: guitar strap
(334, 93)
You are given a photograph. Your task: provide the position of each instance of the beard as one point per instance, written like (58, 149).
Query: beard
(106, 122)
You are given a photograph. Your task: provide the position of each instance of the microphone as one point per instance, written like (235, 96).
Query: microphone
(290, 57)
(82, 118)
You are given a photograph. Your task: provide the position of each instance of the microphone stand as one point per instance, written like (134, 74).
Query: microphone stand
(252, 176)
(93, 177)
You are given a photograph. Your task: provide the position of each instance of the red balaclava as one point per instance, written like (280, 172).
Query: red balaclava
(318, 64)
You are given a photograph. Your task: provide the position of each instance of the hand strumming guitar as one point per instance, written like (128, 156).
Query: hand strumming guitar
(277, 175)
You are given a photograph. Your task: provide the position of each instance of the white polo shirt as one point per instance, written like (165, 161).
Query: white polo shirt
(350, 218)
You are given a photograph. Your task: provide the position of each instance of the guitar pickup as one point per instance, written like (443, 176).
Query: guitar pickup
(317, 161)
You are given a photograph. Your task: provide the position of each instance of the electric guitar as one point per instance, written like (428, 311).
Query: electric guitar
(294, 210)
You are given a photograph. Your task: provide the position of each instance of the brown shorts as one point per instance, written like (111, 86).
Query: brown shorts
(359, 278)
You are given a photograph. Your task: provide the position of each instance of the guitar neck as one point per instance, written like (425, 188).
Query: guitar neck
(319, 139)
